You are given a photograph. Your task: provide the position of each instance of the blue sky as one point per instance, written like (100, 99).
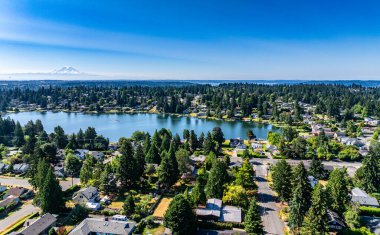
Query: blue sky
(193, 39)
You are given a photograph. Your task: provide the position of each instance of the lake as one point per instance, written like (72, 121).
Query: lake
(114, 126)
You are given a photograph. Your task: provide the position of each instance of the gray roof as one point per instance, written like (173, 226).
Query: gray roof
(88, 192)
(96, 225)
(365, 201)
(334, 219)
(231, 214)
(358, 192)
(361, 197)
(213, 208)
(39, 225)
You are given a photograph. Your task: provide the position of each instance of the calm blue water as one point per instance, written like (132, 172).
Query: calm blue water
(114, 126)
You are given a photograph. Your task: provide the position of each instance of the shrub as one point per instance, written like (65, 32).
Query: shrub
(369, 211)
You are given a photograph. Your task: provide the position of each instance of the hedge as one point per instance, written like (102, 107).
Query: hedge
(369, 211)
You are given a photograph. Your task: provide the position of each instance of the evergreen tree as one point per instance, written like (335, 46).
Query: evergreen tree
(337, 188)
(300, 202)
(140, 161)
(168, 170)
(153, 155)
(129, 205)
(126, 170)
(218, 176)
(198, 194)
(49, 196)
(18, 139)
(107, 180)
(180, 217)
(208, 144)
(60, 137)
(252, 220)
(281, 177)
(316, 218)
(368, 176)
(316, 169)
(186, 134)
(39, 176)
(147, 144)
(72, 144)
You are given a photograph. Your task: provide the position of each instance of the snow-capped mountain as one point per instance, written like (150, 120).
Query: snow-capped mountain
(66, 70)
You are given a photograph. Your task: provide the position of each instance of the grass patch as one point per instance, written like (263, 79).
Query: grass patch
(154, 231)
(162, 207)
(116, 205)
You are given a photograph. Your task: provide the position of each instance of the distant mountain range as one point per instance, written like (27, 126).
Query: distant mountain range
(66, 70)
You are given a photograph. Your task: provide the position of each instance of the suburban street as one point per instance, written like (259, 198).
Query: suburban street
(25, 210)
(23, 182)
(351, 166)
(269, 211)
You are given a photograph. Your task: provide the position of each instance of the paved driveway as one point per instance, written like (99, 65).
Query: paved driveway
(25, 210)
(267, 201)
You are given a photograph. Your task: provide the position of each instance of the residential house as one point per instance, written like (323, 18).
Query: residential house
(40, 226)
(81, 153)
(334, 222)
(17, 192)
(91, 226)
(96, 154)
(362, 198)
(21, 168)
(200, 158)
(215, 211)
(3, 167)
(256, 145)
(235, 142)
(89, 194)
(9, 203)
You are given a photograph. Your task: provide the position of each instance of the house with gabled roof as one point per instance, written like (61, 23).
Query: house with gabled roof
(85, 195)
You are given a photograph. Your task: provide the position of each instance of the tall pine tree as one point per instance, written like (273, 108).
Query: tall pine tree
(316, 218)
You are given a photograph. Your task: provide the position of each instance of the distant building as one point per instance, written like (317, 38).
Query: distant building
(40, 226)
(91, 226)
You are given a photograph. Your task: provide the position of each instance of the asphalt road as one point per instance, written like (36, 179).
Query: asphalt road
(25, 210)
(267, 201)
(351, 166)
(21, 182)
